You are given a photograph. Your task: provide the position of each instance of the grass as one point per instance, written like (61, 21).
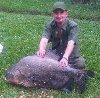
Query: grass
(20, 35)
(86, 11)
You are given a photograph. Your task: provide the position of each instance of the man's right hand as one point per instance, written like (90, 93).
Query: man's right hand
(41, 53)
(42, 46)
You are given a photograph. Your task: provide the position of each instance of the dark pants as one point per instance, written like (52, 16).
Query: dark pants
(78, 62)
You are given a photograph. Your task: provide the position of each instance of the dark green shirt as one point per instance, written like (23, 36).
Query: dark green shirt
(69, 31)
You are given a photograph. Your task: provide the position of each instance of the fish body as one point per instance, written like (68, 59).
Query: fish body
(35, 71)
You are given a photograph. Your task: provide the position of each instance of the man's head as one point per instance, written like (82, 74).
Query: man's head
(59, 12)
(59, 6)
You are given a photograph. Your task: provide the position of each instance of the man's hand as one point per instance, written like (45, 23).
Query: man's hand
(42, 46)
(41, 53)
(64, 62)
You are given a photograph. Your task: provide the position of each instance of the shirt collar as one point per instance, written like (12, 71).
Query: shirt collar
(65, 24)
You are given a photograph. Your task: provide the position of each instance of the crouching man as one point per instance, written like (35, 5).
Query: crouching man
(63, 34)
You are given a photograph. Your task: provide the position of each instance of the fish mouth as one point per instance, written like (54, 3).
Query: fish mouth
(12, 77)
(17, 78)
(12, 81)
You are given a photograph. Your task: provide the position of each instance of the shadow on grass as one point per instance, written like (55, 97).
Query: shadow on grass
(23, 11)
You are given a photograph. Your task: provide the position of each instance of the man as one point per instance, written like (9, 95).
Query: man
(62, 33)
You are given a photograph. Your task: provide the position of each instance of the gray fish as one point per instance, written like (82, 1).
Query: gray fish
(35, 71)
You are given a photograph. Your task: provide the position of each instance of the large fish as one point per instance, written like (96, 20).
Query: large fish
(34, 71)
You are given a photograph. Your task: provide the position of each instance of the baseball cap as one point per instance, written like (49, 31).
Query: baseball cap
(59, 5)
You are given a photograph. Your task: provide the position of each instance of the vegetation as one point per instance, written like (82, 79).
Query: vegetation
(20, 33)
(80, 11)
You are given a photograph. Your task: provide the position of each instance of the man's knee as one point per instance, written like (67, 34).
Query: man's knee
(81, 61)
(78, 62)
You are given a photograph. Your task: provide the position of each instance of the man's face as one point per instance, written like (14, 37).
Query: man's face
(60, 15)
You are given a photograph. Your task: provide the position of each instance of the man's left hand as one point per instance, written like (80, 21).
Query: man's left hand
(64, 62)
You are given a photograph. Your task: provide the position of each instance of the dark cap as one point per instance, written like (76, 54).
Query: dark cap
(59, 5)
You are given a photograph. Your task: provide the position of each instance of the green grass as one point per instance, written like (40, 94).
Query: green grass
(26, 5)
(85, 11)
(20, 35)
